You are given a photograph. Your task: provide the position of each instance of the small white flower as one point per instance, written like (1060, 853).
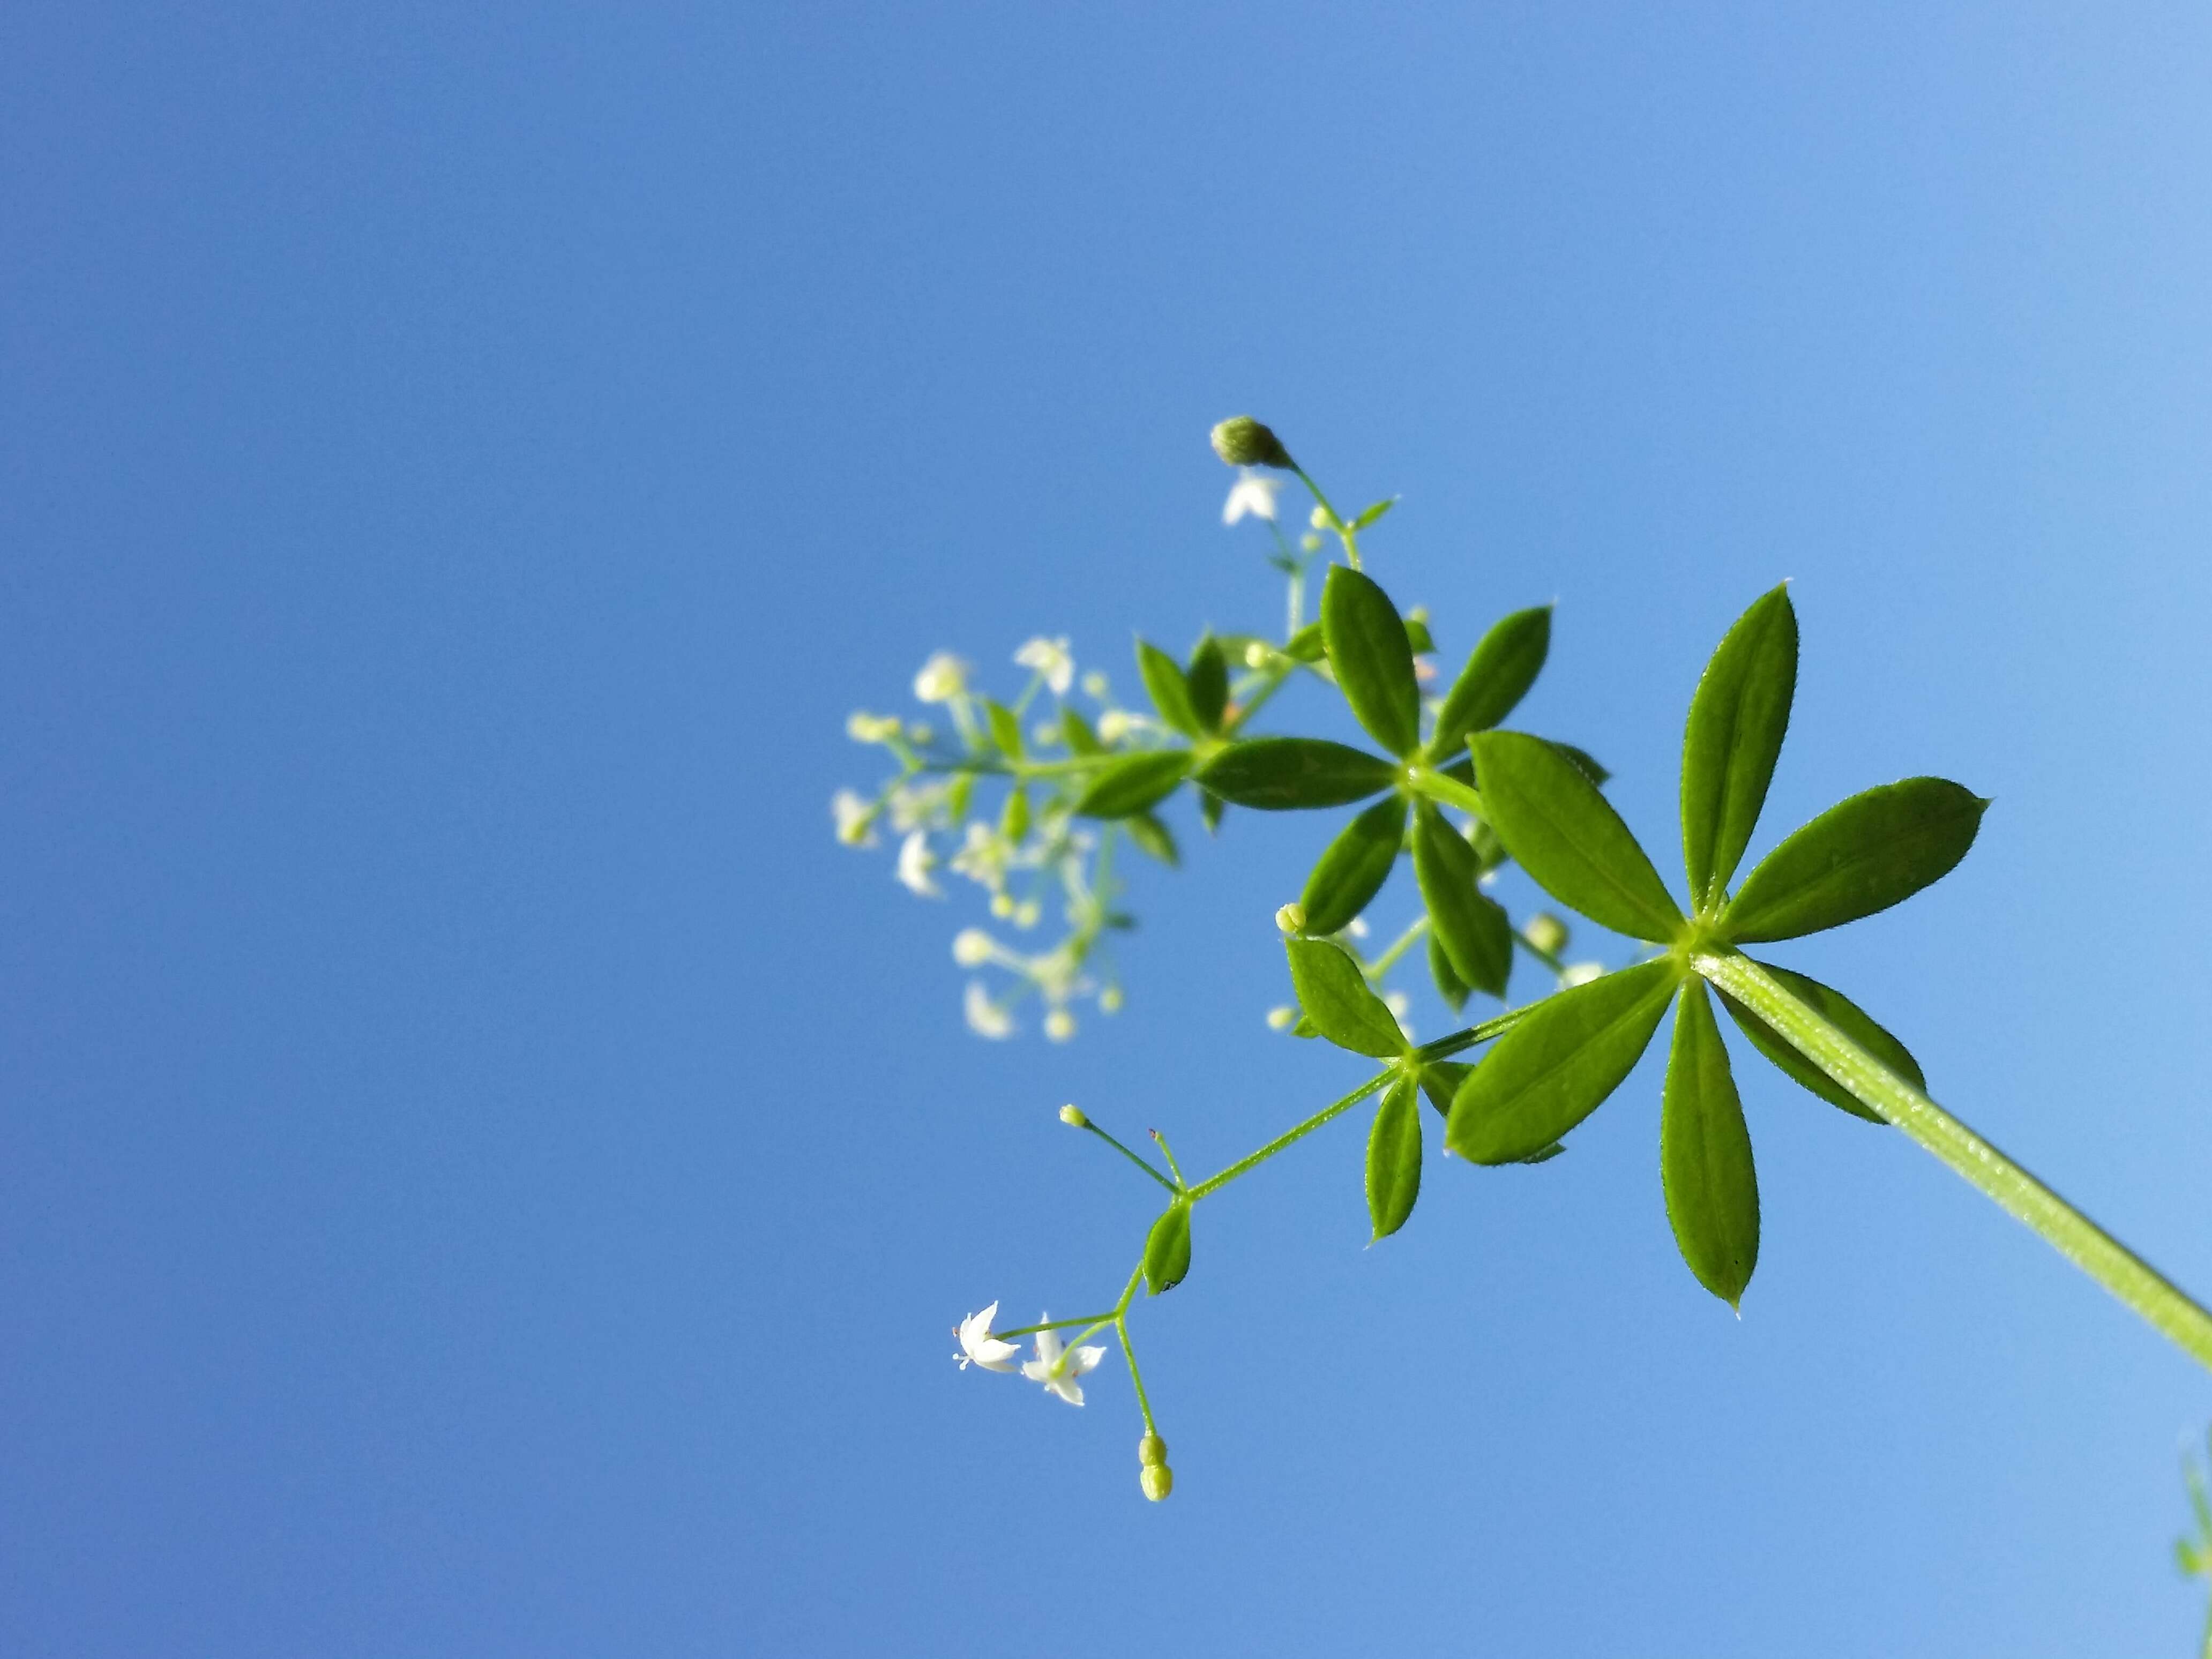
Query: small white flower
(863, 727)
(972, 947)
(1049, 658)
(1094, 684)
(1253, 493)
(982, 857)
(985, 1017)
(943, 678)
(1059, 1371)
(1026, 913)
(1060, 1025)
(1115, 725)
(916, 862)
(1580, 973)
(979, 1347)
(854, 816)
(912, 805)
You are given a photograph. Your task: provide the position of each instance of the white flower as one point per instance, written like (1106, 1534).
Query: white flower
(1115, 725)
(1253, 493)
(1059, 1371)
(863, 727)
(979, 1345)
(916, 862)
(1094, 684)
(1050, 659)
(854, 817)
(915, 804)
(972, 947)
(1580, 973)
(985, 1017)
(943, 678)
(982, 857)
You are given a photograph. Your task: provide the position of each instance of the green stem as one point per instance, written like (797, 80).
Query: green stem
(1172, 1165)
(1445, 1046)
(2072, 1234)
(1451, 792)
(1256, 701)
(1142, 1164)
(1399, 947)
(1053, 1325)
(1244, 1165)
(1336, 522)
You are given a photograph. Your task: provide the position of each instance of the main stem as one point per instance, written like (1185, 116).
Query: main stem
(2075, 1237)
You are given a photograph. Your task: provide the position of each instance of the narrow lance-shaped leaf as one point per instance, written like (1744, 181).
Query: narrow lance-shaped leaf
(1005, 727)
(1167, 1249)
(1737, 721)
(1132, 783)
(1470, 924)
(1373, 658)
(1338, 999)
(1169, 690)
(1285, 774)
(1353, 868)
(1394, 1157)
(1498, 674)
(1076, 732)
(1847, 1016)
(1449, 986)
(1866, 854)
(1557, 1066)
(1705, 1154)
(1567, 837)
(1207, 682)
(1153, 837)
(1440, 1081)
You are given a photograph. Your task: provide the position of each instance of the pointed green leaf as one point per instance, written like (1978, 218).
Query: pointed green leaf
(1417, 636)
(1209, 808)
(1207, 682)
(1306, 644)
(1869, 853)
(1169, 690)
(1284, 774)
(1336, 997)
(1556, 1068)
(1167, 1249)
(1153, 837)
(1075, 732)
(1737, 719)
(1394, 1157)
(1567, 837)
(1373, 511)
(1469, 924)
(1497, 676)
(1355, 866)
(1132, 783)
(1440, 1081)
(1005, 727)
(1449, 986)
(1014, 817)
(1847, 1016)
(1373, 658)
(1705, 1154)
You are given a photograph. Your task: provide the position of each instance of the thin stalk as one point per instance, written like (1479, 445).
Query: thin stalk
(1451, 792)
(1457, 1041)
(2072, 1234)
(1383, 964)
(1141, 1163)
(1243, 1165)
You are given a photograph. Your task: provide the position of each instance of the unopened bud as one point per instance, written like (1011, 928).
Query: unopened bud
(1072, 1116)
(1547, 933)
(1058, 1025)
(1580, 973)
(972, 947)
(1159, 1480)
(1240, 441)
(1291, 918)
(1281, 1019)
(1152, 1451)
(1321, 518)
(1109, 999)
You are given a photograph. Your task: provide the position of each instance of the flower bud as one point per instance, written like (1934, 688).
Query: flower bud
(1072, 1116)
(1291, 918)
(972, 947)
(1580, 973)
(1321, 518)
(1159, 1480)
(1281, 1019)
(1547, 933)
(1152, 1451)
(1058, 1025)
(1109, 999)
(1243, 441)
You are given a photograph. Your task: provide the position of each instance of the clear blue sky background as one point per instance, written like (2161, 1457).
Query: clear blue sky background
(481, 1172)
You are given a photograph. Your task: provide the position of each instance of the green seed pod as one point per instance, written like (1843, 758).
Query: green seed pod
(1157, 1480)
(1290, 918)
(1243, 441)
(1152, 1451)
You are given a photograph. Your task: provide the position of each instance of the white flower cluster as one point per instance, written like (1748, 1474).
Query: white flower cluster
(1061, 1369)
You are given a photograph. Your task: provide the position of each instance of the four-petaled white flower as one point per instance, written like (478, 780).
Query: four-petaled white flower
(943, 678)
(1253, 493)
(979, 1347)
(854, 816)
(916, 862)
(1050, 659)
(985, 1017)
(1059, 1371)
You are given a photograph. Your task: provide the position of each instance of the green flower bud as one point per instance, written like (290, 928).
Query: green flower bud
(1157, 1480)
(1243, 441)
(1291, 918)
(1072, 1116)
(1547, 933)
(1152, 1451)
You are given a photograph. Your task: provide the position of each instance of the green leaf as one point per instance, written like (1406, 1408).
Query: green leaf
(1209, 808)
(1469, 924)
(1132, 783)
(1373, 511)
(1207, 682)
(1283, 774)
(1014, 817)
(1394, 1157)
(1862, 856)
(1497, 676)
(1167, 1249)
(1169, 690)
(1005, 727)
(1354, 867)
(1737, 719)
(1440, 1081)
(1449, 986)
(1568, 837)
(1336, 997)
(1373, 658)
(1152, 836)
(955, 796)
(1847, 1016)
(1306, 644)
(1417, 636)
(1705, 1154)
(1585, 762)
(1076, 732)
(1556, 1068)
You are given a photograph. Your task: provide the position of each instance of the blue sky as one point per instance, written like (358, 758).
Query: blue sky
(486, 1174)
